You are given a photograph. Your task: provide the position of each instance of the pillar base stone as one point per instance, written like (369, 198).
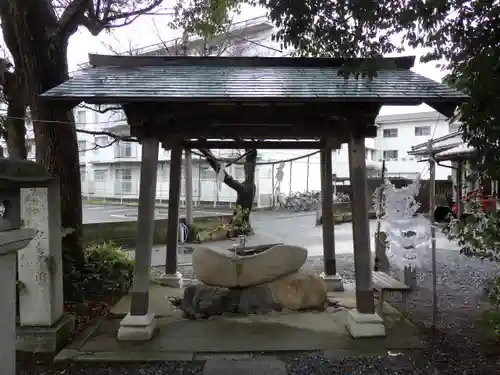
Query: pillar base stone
(137, 327)
(333, 282)
(45, 339)
(365, 325)
(172, 280)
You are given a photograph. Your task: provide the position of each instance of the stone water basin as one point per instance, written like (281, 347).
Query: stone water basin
(222, 268)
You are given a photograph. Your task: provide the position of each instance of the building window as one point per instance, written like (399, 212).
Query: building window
(81, 118)
(124, 174)
(390, 133)
(123, 150)
(391, 155)
(123, 181)
(421, 131)
(83, 174)
(100, 175)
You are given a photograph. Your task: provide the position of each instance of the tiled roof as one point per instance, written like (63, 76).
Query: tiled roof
(443, 143)
(159, 78)
(462, 150)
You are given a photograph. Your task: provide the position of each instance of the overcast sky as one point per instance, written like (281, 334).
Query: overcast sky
(149, 29)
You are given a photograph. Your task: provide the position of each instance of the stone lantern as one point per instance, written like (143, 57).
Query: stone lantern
(14, 175)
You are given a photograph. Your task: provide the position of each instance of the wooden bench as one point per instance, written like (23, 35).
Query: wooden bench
(382, 283)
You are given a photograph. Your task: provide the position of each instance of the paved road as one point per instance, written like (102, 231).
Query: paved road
(297, 229)
(106, 213)
(292, 228)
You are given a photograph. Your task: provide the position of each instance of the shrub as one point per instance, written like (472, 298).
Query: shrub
(241, 220)
(491, 318)
(478, 234)
(107, 270)
(193, 231)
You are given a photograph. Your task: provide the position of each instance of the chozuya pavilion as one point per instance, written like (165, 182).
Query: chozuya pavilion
(287, 103)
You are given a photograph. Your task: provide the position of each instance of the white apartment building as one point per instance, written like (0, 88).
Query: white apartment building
(111, 170)
(398, 133)
(395, 136)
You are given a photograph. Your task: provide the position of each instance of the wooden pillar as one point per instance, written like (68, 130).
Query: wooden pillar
(171, 277)
(139, 324)
(327, 212)
(332, 280)
(188, 166)
(360, 226)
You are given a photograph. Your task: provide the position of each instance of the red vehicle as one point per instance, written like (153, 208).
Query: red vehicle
(488, 203)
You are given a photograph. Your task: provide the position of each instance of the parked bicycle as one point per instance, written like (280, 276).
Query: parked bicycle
(341, 198)
(297, 202)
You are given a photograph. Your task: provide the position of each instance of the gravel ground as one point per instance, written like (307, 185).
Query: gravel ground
(457, 346)
(164, 368)
(298, 364)
(316, 364)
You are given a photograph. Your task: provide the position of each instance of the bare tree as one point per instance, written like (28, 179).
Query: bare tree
(36, 32)
(231, 42)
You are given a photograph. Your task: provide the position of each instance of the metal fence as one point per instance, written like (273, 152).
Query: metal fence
(279, 185)
(121, 182)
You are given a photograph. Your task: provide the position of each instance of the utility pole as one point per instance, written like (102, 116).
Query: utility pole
(188, 164)
(307, 181)
(273, 186)
(432, 204)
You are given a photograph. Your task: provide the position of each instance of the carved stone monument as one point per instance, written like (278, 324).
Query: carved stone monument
(43, 327)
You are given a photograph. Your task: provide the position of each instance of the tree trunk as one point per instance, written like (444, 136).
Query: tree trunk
(246, 194)
(31, 32)
(245, 191)
(15, 129)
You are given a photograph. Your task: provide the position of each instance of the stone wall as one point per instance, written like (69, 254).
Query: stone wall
(124, 233)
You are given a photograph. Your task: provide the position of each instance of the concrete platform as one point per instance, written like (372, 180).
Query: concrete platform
(180, 339)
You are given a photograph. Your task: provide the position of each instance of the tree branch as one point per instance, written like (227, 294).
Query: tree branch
(117, 137)
(99, 110)
(73, 16)
(110, 13)
(96, 146)
(216, 166)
